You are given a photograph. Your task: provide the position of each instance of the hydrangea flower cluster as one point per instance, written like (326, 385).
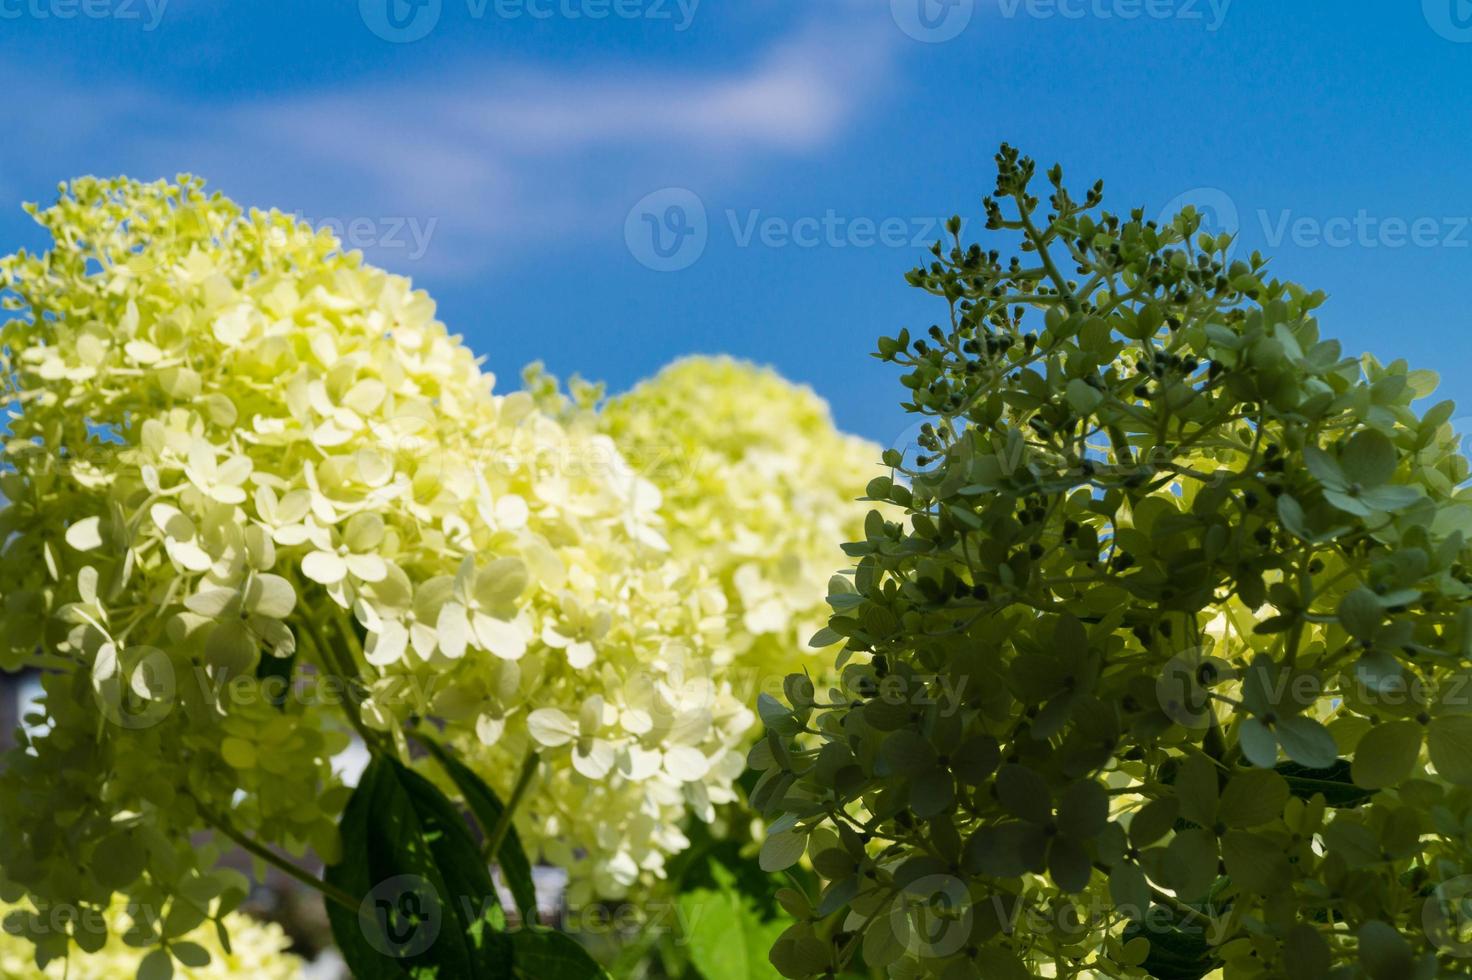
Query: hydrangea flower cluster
(758, 486)
(1166, 673)
(258, 499)
(257, 950)
(751, 484)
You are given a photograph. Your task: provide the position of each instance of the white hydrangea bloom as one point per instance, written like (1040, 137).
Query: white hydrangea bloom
(238, 451)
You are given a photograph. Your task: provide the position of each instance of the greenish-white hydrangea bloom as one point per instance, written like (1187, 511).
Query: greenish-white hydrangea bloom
(256, 493)
(750, 485)
(758, 485)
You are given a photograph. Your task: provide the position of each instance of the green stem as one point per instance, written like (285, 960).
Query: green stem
(329, 891)
(1040, 243)
(330, 660)
(503, 826)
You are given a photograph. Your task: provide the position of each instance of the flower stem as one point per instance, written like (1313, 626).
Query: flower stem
(503, 825)
(329, 891)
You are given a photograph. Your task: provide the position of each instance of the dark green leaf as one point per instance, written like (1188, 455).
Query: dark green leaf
(1175, 953)
(488, 808)
(428, 906)
(545, 954)
(1333, 782)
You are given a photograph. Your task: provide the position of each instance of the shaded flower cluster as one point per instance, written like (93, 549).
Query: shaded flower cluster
(1179, 623)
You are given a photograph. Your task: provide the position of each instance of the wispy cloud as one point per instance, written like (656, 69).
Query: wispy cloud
(490, 159)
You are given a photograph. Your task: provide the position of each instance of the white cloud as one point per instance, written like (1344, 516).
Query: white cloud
(496, 158)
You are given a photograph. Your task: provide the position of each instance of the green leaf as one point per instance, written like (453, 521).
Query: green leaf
(488, 808)
(184, 917)
(1384, 953)
(1252, 798)
(546, 954)
(1192, 863)
(1307, 742)
(1306, 954)
(1196, 788)
(1386, 754)
(1368, 459)
(1450, 740)
(782, 850)
(190, 954)
(932, 792)
(1390, 498)
(1144, 324)
(825, 637)
(232, 649)
(1380, 672)
(1154, 820)
(1083, 810)
(1325, 468)
(1347, 503)
(799, 953)
(1069, 865)
(157, 965)
(725, 935)
(1130, 891)
(1254, 862)
(428, 905)
(1000, 964)
(1361, 614)
(1262, 687)
(1333, 783)
(1290, 513)
(118, 860)
(1023, 793)
(279, 671)
(1174, 954)
(999, 850)
(1083, 397)
(1258, 742)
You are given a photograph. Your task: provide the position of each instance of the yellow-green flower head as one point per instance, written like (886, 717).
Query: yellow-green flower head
(238, 454)
(757, 486)
(257, 950)
(748, 482)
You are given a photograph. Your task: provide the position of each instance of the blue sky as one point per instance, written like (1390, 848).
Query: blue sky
(511, 155)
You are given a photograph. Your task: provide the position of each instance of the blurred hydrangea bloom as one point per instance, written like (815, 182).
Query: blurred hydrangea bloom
(756, 480)
(257, 950)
